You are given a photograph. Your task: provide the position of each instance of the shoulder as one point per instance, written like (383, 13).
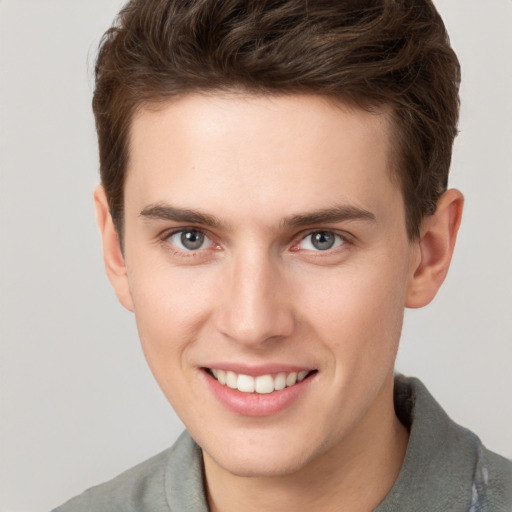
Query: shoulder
(446, 467)
(494, 474)
(141, 488)
(140, 484)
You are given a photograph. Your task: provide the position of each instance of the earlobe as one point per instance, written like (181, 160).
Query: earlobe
(436, 245)
(112, 254)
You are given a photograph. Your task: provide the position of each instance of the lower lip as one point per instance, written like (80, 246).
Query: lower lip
(256, 404)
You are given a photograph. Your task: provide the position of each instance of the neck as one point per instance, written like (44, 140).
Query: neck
(355, 475)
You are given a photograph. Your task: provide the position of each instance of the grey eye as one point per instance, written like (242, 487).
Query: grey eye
(192, 240)
(323, 240)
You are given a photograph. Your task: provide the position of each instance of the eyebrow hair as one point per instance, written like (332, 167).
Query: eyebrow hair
(335, 214)
(161, 211)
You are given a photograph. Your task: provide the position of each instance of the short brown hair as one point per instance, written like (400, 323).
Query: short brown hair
(370, 53)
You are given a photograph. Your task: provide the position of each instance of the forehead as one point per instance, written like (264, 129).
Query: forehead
(250, 152)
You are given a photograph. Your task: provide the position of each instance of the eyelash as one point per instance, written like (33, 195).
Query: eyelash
(166, 236)
(342, 240)
(339, 241)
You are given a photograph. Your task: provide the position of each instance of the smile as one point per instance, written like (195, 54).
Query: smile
(262, 384)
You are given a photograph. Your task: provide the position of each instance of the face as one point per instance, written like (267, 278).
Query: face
(268, 267)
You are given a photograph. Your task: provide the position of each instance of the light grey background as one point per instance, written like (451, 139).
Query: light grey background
(78, 404)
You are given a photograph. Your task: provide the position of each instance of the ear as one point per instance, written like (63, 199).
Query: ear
(436, 244)
(112, 253)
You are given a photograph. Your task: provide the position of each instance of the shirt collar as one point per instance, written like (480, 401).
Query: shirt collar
(437, 473)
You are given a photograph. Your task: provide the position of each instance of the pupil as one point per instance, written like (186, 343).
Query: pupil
(322, 240)
(192, 239)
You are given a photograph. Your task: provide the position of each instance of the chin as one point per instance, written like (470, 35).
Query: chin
(250, 468)
(258, 460)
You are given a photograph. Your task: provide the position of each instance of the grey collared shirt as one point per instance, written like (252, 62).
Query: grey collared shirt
(446, 469)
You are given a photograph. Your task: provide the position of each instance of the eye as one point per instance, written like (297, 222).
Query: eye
(190, 240)
(321, 241)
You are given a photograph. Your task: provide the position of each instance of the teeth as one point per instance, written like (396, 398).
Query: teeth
(245, 383)
(262, 384)
(221, 376)
(301, 375)
(231, 380)
(280, 381)
(291, 379)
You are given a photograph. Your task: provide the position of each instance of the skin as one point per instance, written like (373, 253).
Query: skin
(258, 292)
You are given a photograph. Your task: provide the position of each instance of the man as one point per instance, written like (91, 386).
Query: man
(274, 194)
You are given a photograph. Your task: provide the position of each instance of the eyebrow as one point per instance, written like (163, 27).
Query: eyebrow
(161, 211)
(166, 212)
(328, 215)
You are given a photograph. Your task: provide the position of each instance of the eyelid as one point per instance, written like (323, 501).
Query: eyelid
(168, 233)
(164, 236)
(343, 235)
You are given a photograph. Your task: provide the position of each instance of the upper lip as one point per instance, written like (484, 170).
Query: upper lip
(260, 369)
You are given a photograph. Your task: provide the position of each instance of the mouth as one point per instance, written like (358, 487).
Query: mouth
(261, 384)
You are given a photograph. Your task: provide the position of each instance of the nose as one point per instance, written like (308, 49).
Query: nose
(255, 306)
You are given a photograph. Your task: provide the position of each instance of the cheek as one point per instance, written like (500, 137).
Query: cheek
(171, 307)
(359, 309)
